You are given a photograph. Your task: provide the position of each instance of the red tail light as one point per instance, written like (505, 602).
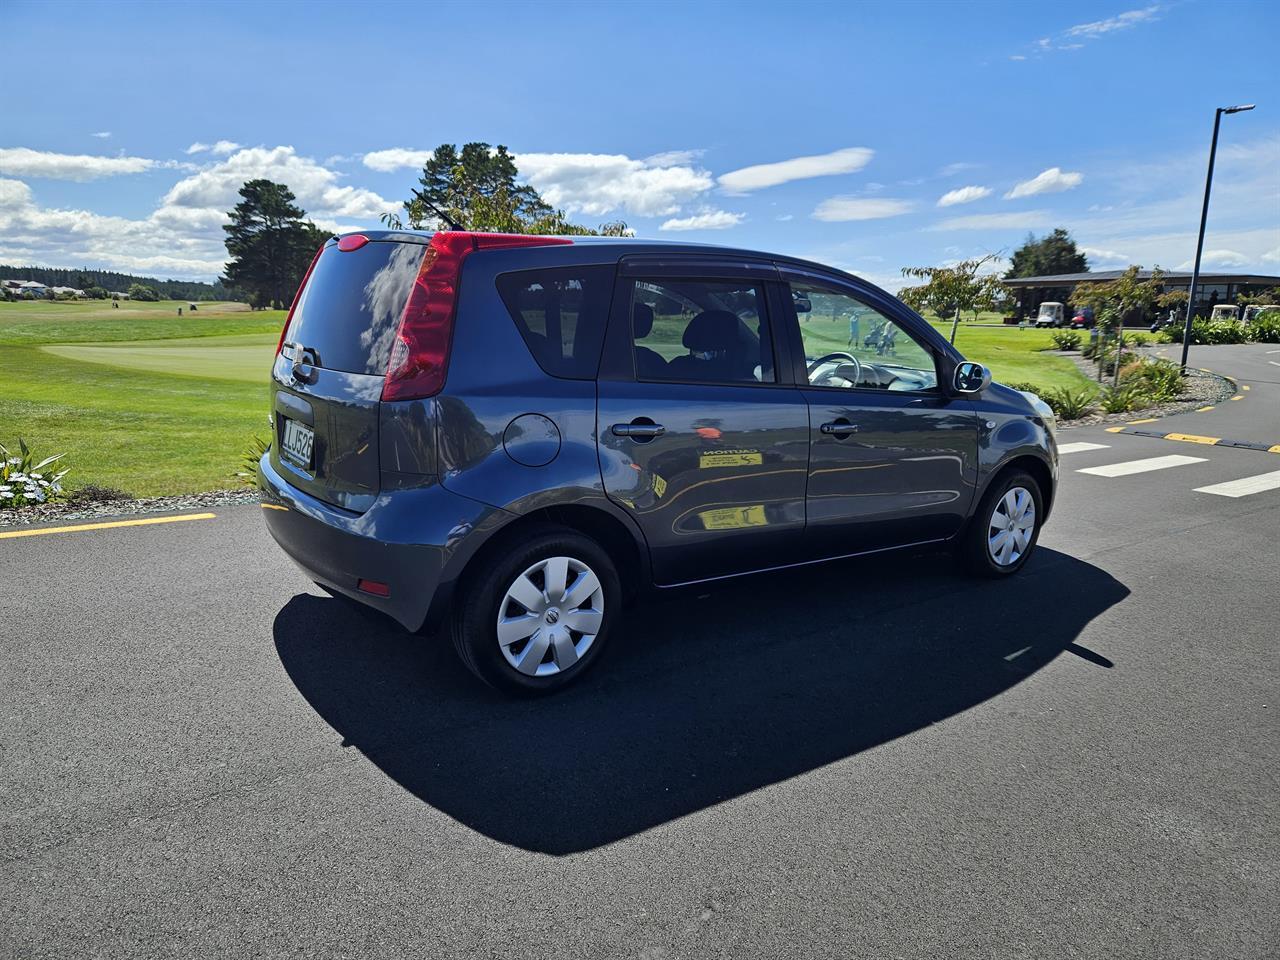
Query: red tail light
(420, 353)
(296, 297)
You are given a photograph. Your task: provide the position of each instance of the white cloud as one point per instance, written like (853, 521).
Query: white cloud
(848, 160)
(396, 158)
(24, 162)
(843, 209)
(1218, 258)
(963, 195)
(600, 183)
(1023, 220)
(784, 217)
(673, 158)
(183, 236)
(1053, 180)
(224, 147)
(1017, 56)
(102, 134)
(1271, 256)
(951, 169)
(705, 220)
(1098, 255)
(197, 147)
(1122, 21)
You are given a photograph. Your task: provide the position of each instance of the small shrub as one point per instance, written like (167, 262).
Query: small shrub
(1266, 327)
(1066, 339)
(1218, 331)
(1123, 398)
(1160, 380)
(248, 472)
(1069, 404)
(24, 482)
(1137, 340)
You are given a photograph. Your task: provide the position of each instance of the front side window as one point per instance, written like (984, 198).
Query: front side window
(852, 345)
(700, 331)
(561, 313)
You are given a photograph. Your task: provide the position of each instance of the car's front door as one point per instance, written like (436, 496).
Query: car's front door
(893, 455)
(702, 437)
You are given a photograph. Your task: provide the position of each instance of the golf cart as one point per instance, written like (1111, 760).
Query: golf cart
(1252, 311)
(1051, 314)
(1225, 311)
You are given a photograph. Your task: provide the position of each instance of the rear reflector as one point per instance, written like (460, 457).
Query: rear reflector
(352, 241)
(296, 297)
(373, 587)
(420, 352)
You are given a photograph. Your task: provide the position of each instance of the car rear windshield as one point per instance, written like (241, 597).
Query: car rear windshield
(561, 314)
(350, 309)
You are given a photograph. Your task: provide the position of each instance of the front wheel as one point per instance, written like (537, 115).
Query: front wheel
(540, 615)
(1005, 528)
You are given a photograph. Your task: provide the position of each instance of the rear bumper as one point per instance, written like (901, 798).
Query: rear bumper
(415, 541)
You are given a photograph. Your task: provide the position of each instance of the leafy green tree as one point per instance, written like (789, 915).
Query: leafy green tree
(476, 188)
(270, 244)
(1054, 253)
(954, 289)
(1114, 300)
(140, 291)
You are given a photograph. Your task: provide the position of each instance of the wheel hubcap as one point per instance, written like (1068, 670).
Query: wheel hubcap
(1012, 524)
(550, 616)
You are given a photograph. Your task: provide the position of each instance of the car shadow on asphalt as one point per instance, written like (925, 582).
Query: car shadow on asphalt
(707, 695)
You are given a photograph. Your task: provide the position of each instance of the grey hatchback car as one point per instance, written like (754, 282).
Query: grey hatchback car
(516, 435)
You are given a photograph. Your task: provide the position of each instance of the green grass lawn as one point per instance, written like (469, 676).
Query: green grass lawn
(100, 385)
(151, 403)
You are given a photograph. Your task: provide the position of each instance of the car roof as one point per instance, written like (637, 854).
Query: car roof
(636, 245)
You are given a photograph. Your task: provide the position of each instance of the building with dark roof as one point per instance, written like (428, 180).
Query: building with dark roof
(1211, 290)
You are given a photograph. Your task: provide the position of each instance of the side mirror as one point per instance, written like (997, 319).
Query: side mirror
(971, 377)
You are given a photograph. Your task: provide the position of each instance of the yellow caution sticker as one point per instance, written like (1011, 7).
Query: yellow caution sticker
(731, 458)
(1192, 438)
(659, 486)
(731, 518)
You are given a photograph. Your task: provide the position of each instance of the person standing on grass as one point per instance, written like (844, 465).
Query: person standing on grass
(855, 332)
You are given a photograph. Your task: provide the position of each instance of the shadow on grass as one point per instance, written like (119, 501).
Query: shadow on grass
(703, 698)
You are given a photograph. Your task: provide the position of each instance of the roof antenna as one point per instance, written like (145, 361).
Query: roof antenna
(441, 215)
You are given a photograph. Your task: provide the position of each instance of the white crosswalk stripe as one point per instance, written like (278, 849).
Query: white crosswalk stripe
(1141, 466)
(1081, 447)
(1244, 487)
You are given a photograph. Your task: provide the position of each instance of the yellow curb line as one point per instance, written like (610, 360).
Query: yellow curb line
(1115, 429)
(1275, 449)
(1205, 409)
(10, 534)
(273, 506)
(1246, 387)
(1238, 396)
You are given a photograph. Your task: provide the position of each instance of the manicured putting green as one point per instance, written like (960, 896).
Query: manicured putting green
(244, 357)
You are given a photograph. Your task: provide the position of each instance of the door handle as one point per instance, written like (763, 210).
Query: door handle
(638, 430)
(839, 428)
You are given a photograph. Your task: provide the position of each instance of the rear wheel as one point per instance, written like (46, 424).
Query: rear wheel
(539, 616)
(1005, 528)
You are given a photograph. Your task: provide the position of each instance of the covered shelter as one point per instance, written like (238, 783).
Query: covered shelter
(1211, 290)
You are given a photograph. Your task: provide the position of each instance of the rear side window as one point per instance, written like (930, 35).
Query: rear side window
(351, 307)
(561, 314)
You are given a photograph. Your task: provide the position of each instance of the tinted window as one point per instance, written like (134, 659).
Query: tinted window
(351, 307)
(561, 315)
(850, 344)
(700, 331)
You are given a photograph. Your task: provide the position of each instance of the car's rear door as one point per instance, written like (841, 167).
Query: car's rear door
(326, 384)
(893, 455)
(702, 436)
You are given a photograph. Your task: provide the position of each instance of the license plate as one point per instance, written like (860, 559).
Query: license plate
(297, 443)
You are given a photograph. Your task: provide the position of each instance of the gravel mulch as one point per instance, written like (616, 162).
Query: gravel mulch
(1201, 389)
(90, 507)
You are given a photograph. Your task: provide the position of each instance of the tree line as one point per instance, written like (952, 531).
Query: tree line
(109, 282)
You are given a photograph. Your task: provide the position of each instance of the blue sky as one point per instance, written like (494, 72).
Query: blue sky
(869, 136)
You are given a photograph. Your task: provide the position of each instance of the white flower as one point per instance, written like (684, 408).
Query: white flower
(17, 476)
(5, 486)
(15, 461)
(5, 495)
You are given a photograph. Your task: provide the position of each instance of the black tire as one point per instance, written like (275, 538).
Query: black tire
(474, 625)
(972, 547)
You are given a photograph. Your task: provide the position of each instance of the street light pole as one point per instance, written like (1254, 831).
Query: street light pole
(1204, 216)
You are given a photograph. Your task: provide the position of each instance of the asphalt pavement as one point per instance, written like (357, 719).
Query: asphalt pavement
(204, 755)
